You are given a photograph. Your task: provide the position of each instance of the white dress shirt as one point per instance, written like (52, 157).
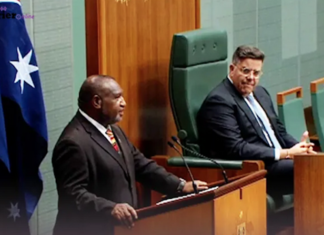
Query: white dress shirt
(100, 127)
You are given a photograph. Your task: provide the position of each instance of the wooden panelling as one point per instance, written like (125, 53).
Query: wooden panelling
(132, 43)
(92, 46)
(308, 196)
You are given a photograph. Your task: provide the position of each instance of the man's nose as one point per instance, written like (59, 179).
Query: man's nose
(251, 76)
(123, 102)
(251, 80)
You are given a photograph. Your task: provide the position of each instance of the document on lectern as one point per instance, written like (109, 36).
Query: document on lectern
(185, 196)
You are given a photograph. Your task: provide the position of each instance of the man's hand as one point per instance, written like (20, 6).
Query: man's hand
(125, 214)
(310, 146)
(188, 188)
(300, 148)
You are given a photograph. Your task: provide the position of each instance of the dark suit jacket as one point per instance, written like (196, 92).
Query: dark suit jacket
(91, 177)
(228, 129)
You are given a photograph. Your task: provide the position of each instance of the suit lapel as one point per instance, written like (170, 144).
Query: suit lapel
(262, 100)
(102, 141)
(128, 157)
(106, 145)
(246, 109)
(123, 148)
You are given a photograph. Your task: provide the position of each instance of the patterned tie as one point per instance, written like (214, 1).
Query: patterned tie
(112, 139)
(263, 118)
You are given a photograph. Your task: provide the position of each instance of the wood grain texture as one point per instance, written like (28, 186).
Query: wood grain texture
(132, 44)
(193, 220)
(92, 46)
(245, 206)
(308, 195)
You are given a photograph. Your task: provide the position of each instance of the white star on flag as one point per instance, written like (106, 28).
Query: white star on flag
(14, 211)
(24, 69)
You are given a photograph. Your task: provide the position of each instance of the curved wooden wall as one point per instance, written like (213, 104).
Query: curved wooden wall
(132, 43)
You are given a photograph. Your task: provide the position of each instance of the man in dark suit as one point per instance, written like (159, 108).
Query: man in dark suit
(96, 167)
(237, 121)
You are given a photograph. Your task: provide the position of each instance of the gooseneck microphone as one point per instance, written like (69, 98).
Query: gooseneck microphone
(188, 169)
(175, 139)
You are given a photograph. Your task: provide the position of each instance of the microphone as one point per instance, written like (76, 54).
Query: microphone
(175, 139)
(188, 169)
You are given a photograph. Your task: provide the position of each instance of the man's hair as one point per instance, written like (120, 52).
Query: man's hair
(89, 88)
(247, 52)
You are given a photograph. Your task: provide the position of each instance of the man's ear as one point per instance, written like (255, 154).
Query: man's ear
(96, 102)
(231, 67)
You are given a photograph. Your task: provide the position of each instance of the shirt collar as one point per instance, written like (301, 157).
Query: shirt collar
(100, 127)
(228, 77)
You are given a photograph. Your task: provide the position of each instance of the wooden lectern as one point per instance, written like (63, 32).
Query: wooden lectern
(309, 194)
(238, 207)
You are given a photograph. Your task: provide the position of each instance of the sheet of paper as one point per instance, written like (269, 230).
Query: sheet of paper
(186, 196)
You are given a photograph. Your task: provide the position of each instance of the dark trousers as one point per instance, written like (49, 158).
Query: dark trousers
(280, 177)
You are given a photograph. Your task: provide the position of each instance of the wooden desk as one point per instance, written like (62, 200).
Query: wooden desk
(238, 207)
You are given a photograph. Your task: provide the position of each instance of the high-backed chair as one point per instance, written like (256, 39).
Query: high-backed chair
(317, 99)
(291, 112)
(198, 63)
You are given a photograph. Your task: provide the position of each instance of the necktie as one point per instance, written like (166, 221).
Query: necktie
(261, 116)
(112, 139)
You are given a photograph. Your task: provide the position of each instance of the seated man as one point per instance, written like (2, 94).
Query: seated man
(96, 167)
(237, 121)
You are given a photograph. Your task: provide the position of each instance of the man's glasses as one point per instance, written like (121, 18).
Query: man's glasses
(246, 71)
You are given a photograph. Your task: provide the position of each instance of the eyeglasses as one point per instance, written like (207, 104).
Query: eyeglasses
(246, 71)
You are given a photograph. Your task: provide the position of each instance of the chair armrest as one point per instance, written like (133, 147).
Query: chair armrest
(204, 163)
(313, 138)
(253, 165)
(246, 165)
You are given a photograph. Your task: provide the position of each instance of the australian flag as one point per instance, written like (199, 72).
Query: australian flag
(23, 128)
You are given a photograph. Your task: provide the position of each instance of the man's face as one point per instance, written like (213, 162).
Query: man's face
(112, 103)
(246, 74)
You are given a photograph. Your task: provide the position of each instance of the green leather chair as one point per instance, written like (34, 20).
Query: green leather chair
(291, 112)
(317, 99)
(198, 63)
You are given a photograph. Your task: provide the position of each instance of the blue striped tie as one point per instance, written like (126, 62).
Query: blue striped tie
(264, 121)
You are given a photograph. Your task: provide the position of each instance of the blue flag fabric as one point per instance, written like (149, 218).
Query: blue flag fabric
(23, 128)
